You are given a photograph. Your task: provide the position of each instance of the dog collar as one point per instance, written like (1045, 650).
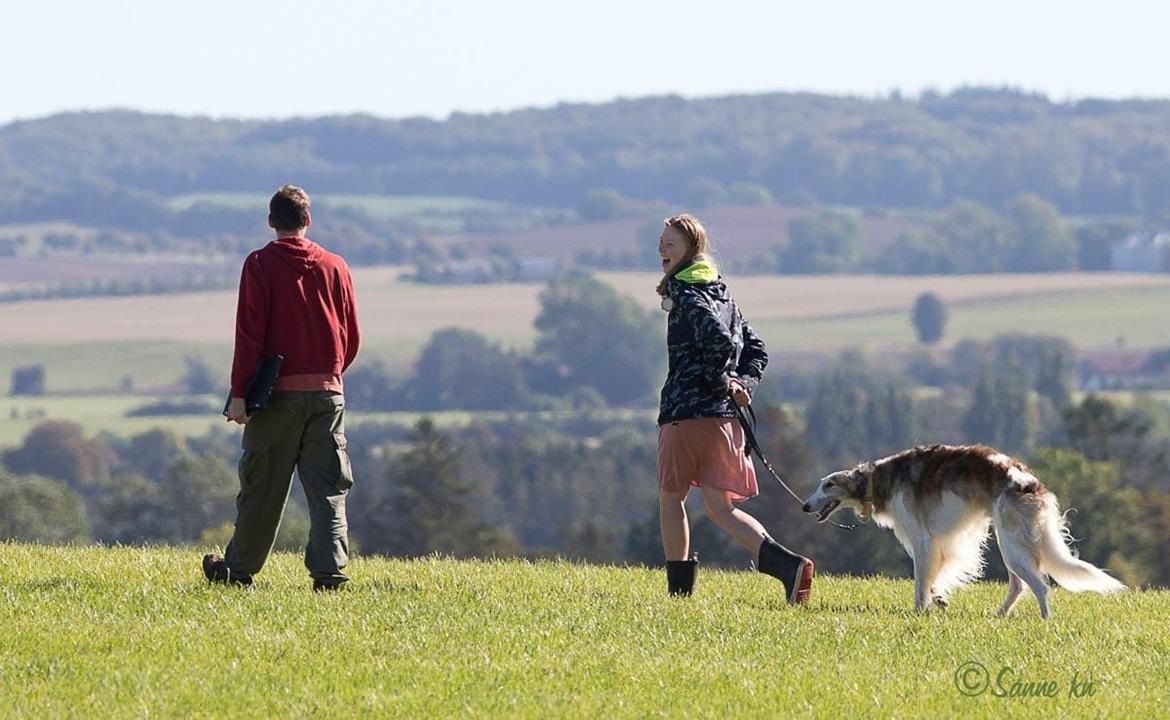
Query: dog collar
(867, 503)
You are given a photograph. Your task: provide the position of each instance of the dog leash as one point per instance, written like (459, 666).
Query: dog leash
(752, 445)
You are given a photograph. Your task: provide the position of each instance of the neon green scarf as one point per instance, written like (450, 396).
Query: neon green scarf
(698, 272)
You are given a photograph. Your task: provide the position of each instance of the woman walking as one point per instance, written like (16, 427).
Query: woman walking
(715, 358)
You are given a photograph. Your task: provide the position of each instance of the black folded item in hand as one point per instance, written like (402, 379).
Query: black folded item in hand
(267, 370)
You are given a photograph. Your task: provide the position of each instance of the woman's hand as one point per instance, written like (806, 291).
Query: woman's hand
(739, 393)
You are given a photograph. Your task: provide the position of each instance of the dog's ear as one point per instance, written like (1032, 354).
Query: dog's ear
(860, 477)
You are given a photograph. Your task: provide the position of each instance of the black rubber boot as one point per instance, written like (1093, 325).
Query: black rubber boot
(680, 576)
(795, 571)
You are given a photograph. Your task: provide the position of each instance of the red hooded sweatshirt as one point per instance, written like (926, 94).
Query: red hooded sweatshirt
(296, 300)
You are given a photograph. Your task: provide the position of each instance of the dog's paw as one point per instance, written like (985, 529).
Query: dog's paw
(939, 602)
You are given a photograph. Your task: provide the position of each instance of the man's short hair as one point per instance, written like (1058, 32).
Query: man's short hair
(288, 210)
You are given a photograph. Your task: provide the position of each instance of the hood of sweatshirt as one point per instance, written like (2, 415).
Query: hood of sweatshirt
(301, 254)
(700, 271)
(702, 277)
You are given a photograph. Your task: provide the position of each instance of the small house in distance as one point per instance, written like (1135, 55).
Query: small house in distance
(1126, 370)
(488, 270)
(1146, 252)
(536, 269)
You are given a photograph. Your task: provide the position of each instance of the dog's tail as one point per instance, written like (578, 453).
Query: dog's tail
(1057, 558)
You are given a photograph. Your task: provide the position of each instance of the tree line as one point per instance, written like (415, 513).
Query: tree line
(1019, 156)
(1029, 234)
(986, 144)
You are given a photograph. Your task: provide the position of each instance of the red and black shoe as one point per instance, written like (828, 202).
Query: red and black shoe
(795, 571)
(803, 590)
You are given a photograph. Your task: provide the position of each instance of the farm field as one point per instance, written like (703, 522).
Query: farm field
(382, 206)
(1134, 317)
(431, 213)
(94, 343)
(812, 297)
(97, 414)
(107, 414)
(735, 232)
(129, 631)
(539, 231)
(394, 309)
(75, 270)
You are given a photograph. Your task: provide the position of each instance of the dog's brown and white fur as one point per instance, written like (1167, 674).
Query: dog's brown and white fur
(940, 501)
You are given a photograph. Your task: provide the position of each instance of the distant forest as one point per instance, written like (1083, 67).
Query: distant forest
(981, 180)
(1090, 157)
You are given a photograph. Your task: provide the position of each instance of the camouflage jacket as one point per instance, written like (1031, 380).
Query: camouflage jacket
(708, 342)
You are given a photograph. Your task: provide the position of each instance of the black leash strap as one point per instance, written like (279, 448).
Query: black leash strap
(752, 445)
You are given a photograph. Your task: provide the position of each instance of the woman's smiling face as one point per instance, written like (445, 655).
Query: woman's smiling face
(672, 247)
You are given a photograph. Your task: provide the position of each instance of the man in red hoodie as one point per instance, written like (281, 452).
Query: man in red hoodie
(296, 300)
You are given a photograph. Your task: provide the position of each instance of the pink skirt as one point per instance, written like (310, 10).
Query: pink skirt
(705, 452)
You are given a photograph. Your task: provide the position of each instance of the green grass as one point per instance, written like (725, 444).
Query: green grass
(1136, 316)
(434, 213)
(390, 207)
(129, 632)
(380, 206)
(233, 200)
(151, 364)
(88, 366)
(96, 414)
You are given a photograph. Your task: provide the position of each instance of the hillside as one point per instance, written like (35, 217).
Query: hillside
(138, 632)
(1089, 157)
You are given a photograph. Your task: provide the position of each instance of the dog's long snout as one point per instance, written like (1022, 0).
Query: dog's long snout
(807, 507)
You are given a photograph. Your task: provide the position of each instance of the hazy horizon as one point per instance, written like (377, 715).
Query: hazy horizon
(553, 104)
(300, 58)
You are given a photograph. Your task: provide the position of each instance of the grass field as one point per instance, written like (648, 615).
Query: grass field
(381, 206)
(432, 213)
(130, 632)
(101, 413)
(1132, 317)
(98, 364)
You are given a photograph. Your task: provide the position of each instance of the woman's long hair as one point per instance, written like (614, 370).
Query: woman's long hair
(696, 236)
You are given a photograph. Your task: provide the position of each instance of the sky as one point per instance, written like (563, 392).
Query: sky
(399, 58)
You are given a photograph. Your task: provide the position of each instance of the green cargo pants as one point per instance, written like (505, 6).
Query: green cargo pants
(305, 431)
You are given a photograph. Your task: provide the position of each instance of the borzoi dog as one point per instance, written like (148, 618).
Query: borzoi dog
(940, 501)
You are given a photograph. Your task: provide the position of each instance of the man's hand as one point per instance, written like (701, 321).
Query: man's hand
(237, 411)
(739, 393)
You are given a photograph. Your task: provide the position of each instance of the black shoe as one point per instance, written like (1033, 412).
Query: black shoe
(795, 571)
(215, 569)
(327, 585)
(680, 576)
